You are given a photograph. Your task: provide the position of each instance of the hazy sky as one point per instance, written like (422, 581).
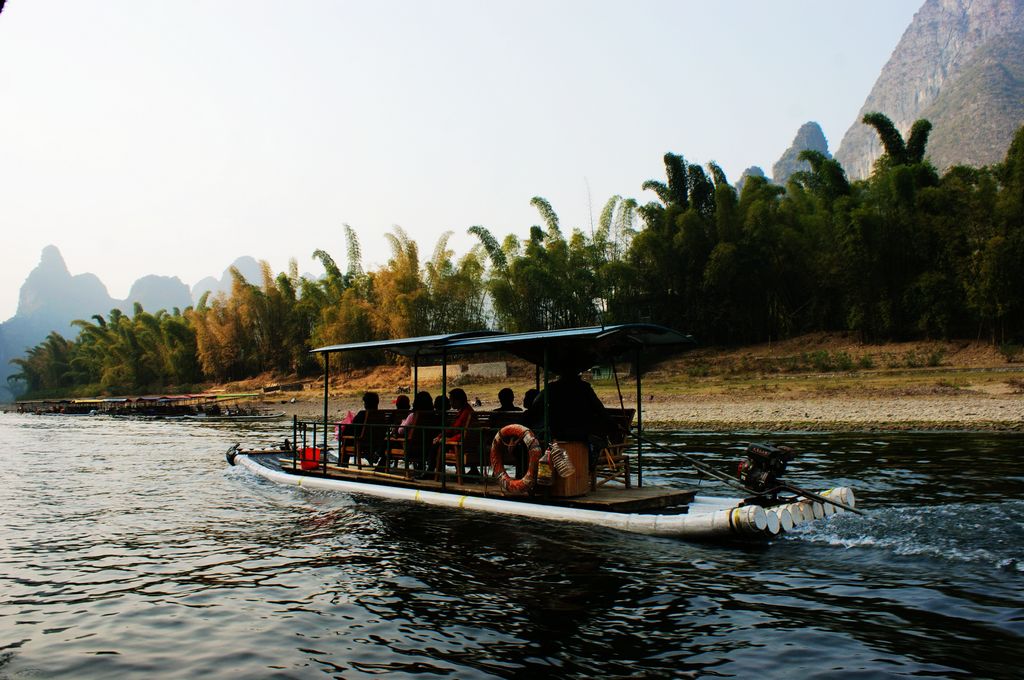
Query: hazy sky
(169, 137)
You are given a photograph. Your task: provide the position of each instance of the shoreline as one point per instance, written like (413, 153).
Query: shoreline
(793, 385)
(971, 412)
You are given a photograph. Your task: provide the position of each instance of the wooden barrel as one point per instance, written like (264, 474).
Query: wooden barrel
(579, 483)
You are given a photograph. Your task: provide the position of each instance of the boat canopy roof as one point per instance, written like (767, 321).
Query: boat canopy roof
(424, 345)
(568, 349)
(572, 350)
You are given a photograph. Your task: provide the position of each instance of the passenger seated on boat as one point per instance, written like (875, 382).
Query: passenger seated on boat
(529, 396)
(401, 403)
(453, 438)
(420, 405)
(366, 428)
(574, 412)
(414, 429)
(507, 400)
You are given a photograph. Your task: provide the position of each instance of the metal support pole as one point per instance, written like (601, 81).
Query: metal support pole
(327, 376)
(639, 426)
(415, 375)
(547, 399)
(295, 441)
(442, 454)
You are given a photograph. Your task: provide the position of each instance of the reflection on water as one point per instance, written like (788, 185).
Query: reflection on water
(131, 548)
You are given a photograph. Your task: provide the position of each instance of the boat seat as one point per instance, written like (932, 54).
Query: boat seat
(395, 452)
(405, 450)
(368, 443)
(450, 454)
(612, 466)
(412, 446)
(622, 418)
(465, 448)
(613, 463)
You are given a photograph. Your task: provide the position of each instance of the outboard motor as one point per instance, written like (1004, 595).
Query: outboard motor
(764, 465)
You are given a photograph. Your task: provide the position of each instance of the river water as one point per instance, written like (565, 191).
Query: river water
(131, 548)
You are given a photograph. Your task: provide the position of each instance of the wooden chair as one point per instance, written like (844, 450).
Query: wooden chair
(368, 443)
(411, 446)
(462, 447)
(499, 419)
(347, 448)
(612, 466)
(395, 452)
(612, 460)
(449, 454)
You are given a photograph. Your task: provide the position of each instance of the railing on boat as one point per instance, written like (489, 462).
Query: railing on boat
(379, 447)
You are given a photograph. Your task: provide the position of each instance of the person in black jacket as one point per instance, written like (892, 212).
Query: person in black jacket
(507, 400)
(574, 411)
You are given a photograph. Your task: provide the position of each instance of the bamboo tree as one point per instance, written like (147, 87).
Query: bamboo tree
(903, 254)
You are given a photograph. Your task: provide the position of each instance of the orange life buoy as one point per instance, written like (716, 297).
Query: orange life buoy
(508, 438)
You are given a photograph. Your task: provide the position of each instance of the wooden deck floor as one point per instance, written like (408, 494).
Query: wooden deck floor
(606, 498)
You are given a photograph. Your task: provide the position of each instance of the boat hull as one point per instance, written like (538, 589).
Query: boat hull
(722, 520)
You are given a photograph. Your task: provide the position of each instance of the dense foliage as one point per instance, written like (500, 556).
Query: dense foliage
(904, 254)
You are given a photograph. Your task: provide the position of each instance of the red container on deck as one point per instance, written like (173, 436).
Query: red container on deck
(309, 458)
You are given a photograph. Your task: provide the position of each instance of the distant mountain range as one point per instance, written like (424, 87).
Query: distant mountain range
(51, 298)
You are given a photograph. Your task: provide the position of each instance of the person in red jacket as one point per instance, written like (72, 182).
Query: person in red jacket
(463, 419)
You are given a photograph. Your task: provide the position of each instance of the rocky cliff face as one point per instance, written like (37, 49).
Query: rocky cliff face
(957, 47)
(809, 136)
(976, 116)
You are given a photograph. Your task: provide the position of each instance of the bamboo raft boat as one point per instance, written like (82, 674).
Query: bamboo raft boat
(564, 480)
(202, 406)
(206, 418)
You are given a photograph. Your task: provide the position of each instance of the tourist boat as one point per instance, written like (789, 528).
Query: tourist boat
(204, 406)
(242, 415)
(585, 479)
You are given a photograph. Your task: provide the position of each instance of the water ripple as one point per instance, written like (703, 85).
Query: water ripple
(130, 548)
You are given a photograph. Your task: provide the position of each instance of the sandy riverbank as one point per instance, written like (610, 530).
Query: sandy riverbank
(969, 411)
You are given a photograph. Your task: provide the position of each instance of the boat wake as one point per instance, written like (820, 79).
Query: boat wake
(989, 533)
